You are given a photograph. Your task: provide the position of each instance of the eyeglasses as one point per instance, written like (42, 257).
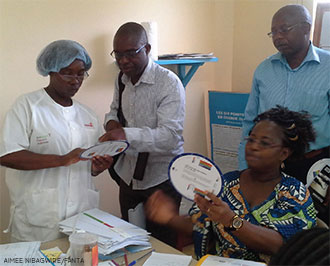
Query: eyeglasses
(128, 54)
(283, 30)
(263, 144)
(79, 77)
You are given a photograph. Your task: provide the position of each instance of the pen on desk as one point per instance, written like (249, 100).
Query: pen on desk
(135, 261)
(43, 254)
(115, 263)
(126, 260)
(90, 216)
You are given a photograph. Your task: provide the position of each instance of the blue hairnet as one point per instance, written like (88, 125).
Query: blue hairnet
(60, 54)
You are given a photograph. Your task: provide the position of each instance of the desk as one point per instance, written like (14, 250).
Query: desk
(158, 245)
(183, 63)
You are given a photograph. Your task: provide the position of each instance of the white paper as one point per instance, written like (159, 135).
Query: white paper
(152, 34)
(216, 261)
(119, 235)
(164, 259)
(317, 166)
(110, 148)
(20, 253)
(137, 217)
(106, 263)
(192, 171)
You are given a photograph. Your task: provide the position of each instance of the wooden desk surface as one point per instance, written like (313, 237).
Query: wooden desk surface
(158, 245)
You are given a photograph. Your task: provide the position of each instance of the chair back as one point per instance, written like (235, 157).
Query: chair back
(321, 224)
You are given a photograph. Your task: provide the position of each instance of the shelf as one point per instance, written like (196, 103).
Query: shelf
(183, 63)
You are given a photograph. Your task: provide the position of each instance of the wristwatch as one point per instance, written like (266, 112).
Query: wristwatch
(235, 223)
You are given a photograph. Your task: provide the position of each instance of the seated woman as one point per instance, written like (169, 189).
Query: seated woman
(259, 208)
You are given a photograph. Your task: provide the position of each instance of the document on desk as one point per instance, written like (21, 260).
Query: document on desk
(213, 260)
(21, 253)
(164, 259)
(113, 232)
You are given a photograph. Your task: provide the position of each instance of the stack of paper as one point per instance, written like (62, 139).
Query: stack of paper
(21, 253)
(186, 56)
(163, 259)
(113, 233)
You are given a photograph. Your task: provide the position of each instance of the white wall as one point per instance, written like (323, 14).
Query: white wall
(251, 43)
(183, 26)
(234, 30)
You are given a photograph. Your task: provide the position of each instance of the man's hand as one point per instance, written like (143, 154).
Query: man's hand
(100, 163)
(160, 208)
(112, 124)
(114, 134)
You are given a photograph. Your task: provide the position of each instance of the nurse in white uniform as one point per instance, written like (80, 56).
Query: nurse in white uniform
(43, 134)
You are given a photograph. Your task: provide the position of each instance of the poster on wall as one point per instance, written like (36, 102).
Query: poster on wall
(226, 117)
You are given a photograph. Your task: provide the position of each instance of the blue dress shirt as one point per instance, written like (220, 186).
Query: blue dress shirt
(306, 87)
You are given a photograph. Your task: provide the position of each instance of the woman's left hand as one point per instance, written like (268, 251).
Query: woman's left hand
(216, 209)
(160, 208)
(101, 163)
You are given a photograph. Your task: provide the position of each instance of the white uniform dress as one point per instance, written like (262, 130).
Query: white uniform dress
(42, 198)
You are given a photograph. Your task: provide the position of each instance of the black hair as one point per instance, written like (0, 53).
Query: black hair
(308, 247)
(297, 129)
(133, 29)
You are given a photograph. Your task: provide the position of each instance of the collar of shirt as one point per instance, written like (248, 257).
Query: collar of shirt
(310, 57)
(148, 75)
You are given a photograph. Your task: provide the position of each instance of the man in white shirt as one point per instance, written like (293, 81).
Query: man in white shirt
(153, 105)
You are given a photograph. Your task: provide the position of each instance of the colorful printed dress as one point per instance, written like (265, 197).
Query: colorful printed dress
(288, 210)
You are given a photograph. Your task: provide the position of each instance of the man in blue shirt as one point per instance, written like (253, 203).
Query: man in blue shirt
(297, 77)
